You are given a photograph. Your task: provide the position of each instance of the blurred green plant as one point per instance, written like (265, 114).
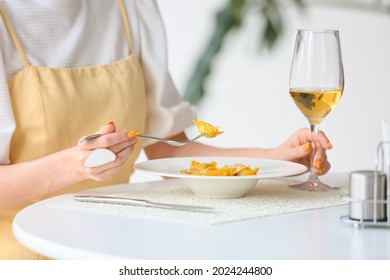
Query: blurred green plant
(228, 19)
(231, 18)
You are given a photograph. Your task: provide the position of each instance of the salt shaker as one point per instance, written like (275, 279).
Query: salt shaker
(361, 189)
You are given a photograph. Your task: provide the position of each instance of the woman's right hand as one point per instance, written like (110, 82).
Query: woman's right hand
(121, 143)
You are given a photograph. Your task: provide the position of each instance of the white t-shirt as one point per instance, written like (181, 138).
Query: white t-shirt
(76, 33)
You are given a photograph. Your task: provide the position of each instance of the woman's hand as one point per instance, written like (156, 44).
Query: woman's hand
(120, 143)
(298, 148)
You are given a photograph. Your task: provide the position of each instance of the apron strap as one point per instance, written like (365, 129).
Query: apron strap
(126, 25)
(14, 38)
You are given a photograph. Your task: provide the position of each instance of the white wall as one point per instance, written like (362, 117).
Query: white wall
(248, 90)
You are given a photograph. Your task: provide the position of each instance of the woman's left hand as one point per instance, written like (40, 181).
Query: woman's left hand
(298, 148)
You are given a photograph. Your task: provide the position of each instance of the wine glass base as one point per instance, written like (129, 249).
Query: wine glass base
(312, 185)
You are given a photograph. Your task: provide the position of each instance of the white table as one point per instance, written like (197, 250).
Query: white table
(318, 234)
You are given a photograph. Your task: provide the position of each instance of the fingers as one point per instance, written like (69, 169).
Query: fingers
(323, 141)
(304, 135)
(295, 151)
(93, 153)
(106, 171)
(108, 128)
(112, 140)
(303, 150)
(320, 162)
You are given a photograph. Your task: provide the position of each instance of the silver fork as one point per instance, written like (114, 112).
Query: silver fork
(169, 142)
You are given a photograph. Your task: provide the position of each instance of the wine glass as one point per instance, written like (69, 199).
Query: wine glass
(316, 84)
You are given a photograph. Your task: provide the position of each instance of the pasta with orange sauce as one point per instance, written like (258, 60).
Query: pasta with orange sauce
(211, 169)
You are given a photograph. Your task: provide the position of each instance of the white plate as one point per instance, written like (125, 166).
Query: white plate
(220, 186)
(171, 167)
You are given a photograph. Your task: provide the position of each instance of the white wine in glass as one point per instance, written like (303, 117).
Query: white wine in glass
(316, 84)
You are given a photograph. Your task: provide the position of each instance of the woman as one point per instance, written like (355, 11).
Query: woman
(66, 68)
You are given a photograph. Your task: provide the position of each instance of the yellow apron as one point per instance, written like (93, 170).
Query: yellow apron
(54, 107)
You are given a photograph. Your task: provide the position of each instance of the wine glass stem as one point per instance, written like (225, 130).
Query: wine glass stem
(314, 131)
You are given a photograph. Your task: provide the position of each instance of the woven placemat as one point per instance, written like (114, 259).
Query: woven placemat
(268, 198)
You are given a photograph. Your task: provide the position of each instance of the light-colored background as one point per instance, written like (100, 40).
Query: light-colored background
(247, 93)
